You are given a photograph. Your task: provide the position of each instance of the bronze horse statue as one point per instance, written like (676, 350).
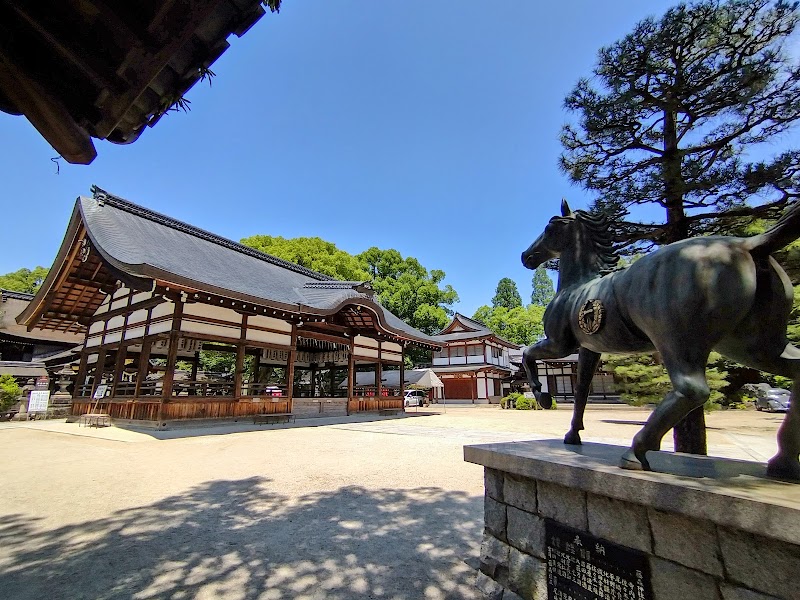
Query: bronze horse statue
(684, 300)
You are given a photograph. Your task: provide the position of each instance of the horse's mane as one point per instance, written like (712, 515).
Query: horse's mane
(598, 227)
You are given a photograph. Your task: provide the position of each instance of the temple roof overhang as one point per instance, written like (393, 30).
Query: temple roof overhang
(107, 69)
(111, 241)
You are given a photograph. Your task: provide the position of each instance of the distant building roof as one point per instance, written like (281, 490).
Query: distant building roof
(462, 328)
(144, 248)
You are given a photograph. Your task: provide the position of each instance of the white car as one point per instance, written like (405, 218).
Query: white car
(414, 398)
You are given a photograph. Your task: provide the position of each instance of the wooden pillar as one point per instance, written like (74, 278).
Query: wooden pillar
(333, 381)
(99, 367)
(80, 380)
(402, 375)
(290, 368)
(238, 371)
(119, 367)
(313, 380)
(172, 358)
(473, 387)
(195, 365)
(379, 373)
(144, 367)
(351, 375)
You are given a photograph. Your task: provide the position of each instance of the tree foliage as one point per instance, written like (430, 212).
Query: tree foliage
(543, 291)
(9, 392)
(313, 253)
(24, 280)
(521, 325)
(642, 379)
(409, 290)
(681, 101)
(403, 285)
(506, 295)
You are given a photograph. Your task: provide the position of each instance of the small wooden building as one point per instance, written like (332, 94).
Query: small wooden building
(473, 363)
(150, 293)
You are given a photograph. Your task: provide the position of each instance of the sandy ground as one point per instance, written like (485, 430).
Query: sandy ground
(360, 508)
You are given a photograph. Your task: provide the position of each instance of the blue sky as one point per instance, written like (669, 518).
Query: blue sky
(429, 127)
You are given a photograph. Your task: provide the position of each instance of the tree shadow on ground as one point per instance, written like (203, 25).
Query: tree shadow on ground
(241, 540)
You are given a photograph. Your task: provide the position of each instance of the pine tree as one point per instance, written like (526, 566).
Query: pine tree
(543, 291)
(679, 106)
(506, 294)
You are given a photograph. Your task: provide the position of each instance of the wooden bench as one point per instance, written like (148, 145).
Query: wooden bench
(273, 418)
(390, 411)
(95, 420)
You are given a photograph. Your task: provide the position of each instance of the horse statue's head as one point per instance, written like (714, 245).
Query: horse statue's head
(583, 235)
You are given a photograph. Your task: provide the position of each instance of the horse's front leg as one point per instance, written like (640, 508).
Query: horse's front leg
(546, 348)
(587, 365)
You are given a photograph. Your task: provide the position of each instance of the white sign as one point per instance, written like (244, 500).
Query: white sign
(529, 395)
(39, 400)
(100, 392)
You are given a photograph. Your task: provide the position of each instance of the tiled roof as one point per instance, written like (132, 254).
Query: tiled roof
(147, 245)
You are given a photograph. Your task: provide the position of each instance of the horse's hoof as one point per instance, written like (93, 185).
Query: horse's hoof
(631, 462)
(784, 468)
(573, 438)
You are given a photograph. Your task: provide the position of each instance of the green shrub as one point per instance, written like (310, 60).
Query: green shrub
(528, 404)
(9, 392)
(510, 400)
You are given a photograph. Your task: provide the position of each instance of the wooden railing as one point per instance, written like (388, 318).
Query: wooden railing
(183, 409)
(263, 389)
(203, 389)
(373, 403)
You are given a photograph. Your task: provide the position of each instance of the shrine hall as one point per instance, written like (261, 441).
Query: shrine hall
(153, 297)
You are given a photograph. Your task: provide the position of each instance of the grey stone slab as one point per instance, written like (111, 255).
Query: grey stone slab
(731, 493)
(493, 482)
(509, 595)
(488, 587)
(675, 582)
(618, 521)
(690, 542)
(520, 492)
(761, 564)
(494, 517)
(563, 504)
(494, 554)
(527, 576)
(731, 592)
(525, 532)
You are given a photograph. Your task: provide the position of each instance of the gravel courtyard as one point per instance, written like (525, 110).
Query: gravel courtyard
(333, 509)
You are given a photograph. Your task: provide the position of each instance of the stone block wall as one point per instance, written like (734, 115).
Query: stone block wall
(690, 558)
(309, 408)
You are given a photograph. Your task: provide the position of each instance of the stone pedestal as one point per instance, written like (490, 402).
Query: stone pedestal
(709, 528)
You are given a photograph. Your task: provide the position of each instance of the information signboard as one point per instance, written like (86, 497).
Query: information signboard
(100, 392)
(583, 567)
(38, 401)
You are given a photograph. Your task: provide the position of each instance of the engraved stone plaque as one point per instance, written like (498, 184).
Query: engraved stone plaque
(583, 567)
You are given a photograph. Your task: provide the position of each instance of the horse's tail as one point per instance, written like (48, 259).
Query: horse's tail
(783, 233)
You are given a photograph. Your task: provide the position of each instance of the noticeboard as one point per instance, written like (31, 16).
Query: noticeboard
(583, 567)
(38, 401)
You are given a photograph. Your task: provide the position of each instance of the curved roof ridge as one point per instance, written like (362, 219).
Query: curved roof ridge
(102, 196)
(16, 295)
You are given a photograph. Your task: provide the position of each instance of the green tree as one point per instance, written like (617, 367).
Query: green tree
(641, 378)
(679, 104)
(543, 291)
(521, 325)
(24, 280)
(506, 294)
(313, 253)
(9, 392)
(403, 285)
(409, 290)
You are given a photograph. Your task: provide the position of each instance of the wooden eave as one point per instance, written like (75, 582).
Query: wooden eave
(75, 287)
(79, 69)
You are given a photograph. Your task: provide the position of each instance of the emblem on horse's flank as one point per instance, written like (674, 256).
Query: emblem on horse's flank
(590, 317)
